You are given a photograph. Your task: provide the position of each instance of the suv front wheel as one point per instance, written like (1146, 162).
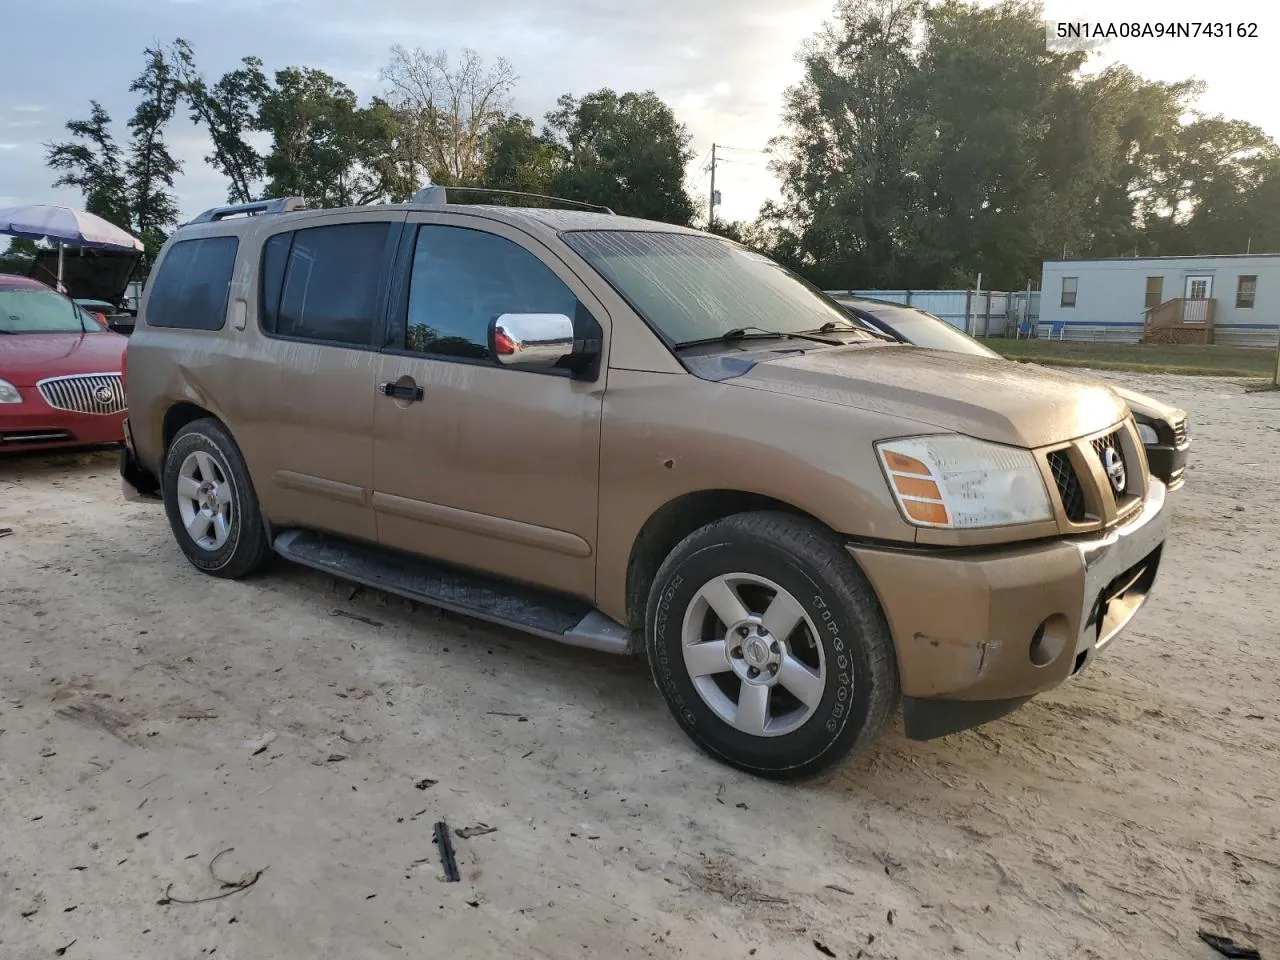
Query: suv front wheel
(769, 645)
(211, 504)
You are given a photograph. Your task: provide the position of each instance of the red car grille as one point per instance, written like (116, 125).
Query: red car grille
(91, 393)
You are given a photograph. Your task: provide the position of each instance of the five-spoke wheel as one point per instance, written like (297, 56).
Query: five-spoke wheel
(769, 644)
(210, 502)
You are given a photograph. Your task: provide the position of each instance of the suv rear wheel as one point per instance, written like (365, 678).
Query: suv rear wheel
(211, 504)
(769, 645)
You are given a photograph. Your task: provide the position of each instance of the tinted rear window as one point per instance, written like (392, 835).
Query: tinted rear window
(323, 283)
(193, 283)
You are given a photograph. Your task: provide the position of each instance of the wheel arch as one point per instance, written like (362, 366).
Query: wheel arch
(178, 416)
(675, 520)
(182, 414)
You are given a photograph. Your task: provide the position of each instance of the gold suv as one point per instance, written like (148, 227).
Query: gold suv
(636, 437)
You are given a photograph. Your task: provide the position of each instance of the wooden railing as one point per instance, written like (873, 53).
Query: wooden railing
(1181, 320)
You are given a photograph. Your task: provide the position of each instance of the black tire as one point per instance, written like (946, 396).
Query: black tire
(247, 546)
(861, 689)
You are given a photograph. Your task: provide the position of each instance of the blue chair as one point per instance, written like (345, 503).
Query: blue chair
(1058, 329)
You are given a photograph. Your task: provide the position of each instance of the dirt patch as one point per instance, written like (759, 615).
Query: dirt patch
(1114, 817)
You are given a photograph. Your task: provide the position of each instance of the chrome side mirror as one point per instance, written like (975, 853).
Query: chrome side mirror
(531, 340)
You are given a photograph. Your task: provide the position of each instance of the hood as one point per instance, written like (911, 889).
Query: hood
(87, 274)
(1142, 405)
(1147, 407)
(28, 357)
(982, 397)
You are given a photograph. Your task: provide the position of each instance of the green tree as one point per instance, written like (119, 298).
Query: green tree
(324, 147)
(151, 168)
(91, 161)
(625, 151)
(517, 158)
(1134, 125)
(1003, 146)
(1219, 191)
(18, 257)
(228, 112)
(751, 235)
(842, 155)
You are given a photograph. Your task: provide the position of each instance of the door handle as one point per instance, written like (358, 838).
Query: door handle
(402, 391)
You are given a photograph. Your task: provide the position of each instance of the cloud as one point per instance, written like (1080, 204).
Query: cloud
(721, 66)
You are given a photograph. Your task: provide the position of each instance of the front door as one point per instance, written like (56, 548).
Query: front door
(1199, 288)
(478, 465)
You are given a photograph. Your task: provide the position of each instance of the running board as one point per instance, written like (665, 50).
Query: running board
(535, 611)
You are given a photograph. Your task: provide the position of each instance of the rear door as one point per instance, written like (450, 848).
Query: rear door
(322, 309)
(488, 467)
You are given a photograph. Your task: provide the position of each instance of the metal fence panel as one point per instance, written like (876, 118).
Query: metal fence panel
(982, 313)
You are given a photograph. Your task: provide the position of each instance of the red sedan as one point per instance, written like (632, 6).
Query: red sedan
(61, 382)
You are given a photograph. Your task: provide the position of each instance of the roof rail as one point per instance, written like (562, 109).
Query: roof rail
(257, 207)
(434, 195)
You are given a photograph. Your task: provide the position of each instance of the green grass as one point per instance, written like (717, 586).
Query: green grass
(1201, 361)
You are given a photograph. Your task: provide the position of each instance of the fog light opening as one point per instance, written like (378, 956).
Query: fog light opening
(1049, 640)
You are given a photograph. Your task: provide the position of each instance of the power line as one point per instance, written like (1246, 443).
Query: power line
(702, 164)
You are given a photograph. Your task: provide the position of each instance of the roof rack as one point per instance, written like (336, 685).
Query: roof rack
(433, 195)
(256, 208)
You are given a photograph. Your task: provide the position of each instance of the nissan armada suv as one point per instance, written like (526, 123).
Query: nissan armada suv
(631, 436)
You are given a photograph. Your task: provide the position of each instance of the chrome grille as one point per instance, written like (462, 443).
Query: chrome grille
(1180, 432)
(89, 393)
(1125, 501)
(1110, 440)
(1064, 475)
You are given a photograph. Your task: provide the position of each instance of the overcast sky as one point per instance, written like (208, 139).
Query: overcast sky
(721, 64)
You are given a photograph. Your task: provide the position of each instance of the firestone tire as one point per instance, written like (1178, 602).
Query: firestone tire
(809, 630)
(211, 504)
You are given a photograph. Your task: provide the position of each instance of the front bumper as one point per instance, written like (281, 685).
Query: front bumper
(978, 632)
(1169, 463)
(34, 425)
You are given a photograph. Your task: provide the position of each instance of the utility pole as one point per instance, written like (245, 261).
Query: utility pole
(711, 209)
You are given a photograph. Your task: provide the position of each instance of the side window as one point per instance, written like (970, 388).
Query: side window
(323, 283)
(463, 278)
(1246, 292)
(1069, 287)
(191, 288)
(275, 257)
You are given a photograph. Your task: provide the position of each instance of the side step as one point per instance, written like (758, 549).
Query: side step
(535, 611)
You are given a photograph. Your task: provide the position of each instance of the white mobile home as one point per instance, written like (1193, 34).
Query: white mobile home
(1235, 298)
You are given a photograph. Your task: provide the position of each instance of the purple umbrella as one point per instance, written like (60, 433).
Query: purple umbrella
(58, 223)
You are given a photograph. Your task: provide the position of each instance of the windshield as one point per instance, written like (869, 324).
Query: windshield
(925, 330)
(693, 288)
(31, 310)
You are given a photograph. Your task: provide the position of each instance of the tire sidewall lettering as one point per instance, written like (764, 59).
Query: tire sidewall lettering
(840, 705)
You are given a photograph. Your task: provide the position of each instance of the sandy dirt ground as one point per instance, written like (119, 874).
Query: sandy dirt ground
(1112, 818)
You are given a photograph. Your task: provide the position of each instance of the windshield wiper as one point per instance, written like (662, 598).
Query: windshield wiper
(831, 326)
(745, 333)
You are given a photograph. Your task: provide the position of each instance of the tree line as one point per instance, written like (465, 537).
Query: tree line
(447, 120)
(928, 143)
(924, 144)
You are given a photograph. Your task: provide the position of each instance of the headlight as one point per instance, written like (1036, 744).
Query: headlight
(962, 483)
(9, 393)
(1148, 434)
